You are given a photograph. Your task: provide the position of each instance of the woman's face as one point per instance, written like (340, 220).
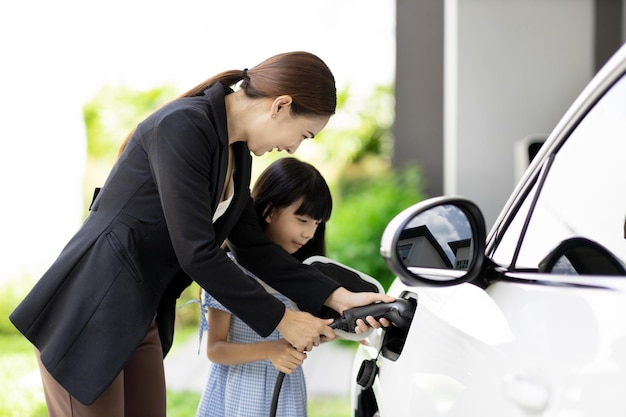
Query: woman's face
(279, 129)
(290, 230)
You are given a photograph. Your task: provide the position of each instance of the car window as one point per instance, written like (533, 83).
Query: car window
(583, 194)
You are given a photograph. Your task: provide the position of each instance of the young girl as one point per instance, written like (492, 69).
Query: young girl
(293, 203)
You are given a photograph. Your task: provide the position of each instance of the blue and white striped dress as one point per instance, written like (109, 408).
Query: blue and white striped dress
(246, 390)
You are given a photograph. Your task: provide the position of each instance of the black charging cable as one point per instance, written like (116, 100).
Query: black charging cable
(279, 383)
(281, 377)
(399, 313)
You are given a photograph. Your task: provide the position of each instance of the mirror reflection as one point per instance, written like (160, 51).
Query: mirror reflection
(439, 237)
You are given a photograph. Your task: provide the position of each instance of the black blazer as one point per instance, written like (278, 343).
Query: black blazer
(149, 233)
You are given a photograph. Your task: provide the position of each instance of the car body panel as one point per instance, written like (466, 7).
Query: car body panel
(521, 353)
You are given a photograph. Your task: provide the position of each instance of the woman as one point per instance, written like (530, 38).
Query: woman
(102, 317)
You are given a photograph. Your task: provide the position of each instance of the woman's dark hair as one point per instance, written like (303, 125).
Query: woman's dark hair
(284, 182)
(301, 75)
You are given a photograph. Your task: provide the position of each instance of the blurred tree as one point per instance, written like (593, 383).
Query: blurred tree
(360, 130)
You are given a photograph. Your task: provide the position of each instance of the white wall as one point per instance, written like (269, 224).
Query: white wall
(512, 68)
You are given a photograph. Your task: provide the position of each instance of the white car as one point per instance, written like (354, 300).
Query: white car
(530, 319)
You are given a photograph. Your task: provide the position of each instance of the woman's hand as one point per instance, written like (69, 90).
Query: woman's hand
(283, 356)
(341, 299)
(303, 330)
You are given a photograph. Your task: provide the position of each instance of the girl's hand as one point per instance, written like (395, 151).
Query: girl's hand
(283, 356)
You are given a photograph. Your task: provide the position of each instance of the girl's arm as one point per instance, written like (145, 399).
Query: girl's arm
(219, 350)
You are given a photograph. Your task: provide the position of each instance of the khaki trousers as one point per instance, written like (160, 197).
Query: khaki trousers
(138, 391)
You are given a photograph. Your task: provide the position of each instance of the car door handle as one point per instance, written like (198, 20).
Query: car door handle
(527, 392)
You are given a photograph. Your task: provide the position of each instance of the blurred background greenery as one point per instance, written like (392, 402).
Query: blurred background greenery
(354, 155)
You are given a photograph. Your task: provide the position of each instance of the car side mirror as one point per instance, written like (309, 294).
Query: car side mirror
(439, 242)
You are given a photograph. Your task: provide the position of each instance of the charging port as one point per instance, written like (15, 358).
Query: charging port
(394, 338)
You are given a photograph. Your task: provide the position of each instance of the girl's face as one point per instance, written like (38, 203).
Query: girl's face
(279, 129)
(290, 230)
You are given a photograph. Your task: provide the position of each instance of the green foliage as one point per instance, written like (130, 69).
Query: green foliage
(188, 312)
(329, 407)
(374, 130)
(182, 404)
(362, 211)
(349, 141)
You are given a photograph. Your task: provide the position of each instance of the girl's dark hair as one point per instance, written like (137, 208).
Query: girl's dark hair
(284, 182)
(301, 75)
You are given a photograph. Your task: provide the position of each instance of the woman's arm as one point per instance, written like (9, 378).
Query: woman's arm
(219, 350)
